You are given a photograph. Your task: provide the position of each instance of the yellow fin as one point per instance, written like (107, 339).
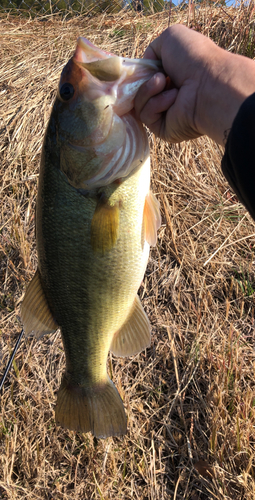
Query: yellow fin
(152, 218)
(135, 334)
(104, 226)
(35, 313)
(98, 409)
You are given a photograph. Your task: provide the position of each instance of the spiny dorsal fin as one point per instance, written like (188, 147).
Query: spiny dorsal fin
(104, 226)
(135, 334)
(152, 218)
(35, 313)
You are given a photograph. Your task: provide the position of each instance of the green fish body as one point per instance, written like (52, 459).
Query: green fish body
(95, 221)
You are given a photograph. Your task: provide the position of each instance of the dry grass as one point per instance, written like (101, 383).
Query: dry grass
(189, 398)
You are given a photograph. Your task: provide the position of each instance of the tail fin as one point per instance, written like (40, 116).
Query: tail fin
(97, 409)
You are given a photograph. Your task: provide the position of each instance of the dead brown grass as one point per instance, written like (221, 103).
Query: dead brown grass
(189, 398)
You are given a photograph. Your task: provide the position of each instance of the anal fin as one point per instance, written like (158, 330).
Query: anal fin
(152, 218)
(35, 313)
(135, 334)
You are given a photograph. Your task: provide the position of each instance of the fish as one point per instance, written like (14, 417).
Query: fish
(96, 218)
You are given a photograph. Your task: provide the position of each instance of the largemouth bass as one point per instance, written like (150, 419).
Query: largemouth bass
(95, 220)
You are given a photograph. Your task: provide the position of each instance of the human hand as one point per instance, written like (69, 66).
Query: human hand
(208, 85)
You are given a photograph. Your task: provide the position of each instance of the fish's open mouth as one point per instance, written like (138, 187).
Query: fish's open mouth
(109, 67)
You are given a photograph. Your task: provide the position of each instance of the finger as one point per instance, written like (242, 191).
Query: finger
(154, 86)
(149, 53)
(155, 106)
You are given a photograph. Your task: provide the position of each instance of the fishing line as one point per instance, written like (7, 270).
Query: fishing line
(11, 359)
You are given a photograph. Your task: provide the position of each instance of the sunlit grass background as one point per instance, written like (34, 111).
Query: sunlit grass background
(190, 397)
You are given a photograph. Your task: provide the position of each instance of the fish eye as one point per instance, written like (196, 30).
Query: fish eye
(66, 91)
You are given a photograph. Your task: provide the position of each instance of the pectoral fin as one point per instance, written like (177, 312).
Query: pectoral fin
(35, 313)
(135, 334)
(104, 226)
(152, 218)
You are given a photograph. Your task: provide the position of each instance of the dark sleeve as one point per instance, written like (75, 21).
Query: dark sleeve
(238, 162)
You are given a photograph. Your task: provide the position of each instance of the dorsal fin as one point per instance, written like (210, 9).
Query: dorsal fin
(135, 334)
(35, 313)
